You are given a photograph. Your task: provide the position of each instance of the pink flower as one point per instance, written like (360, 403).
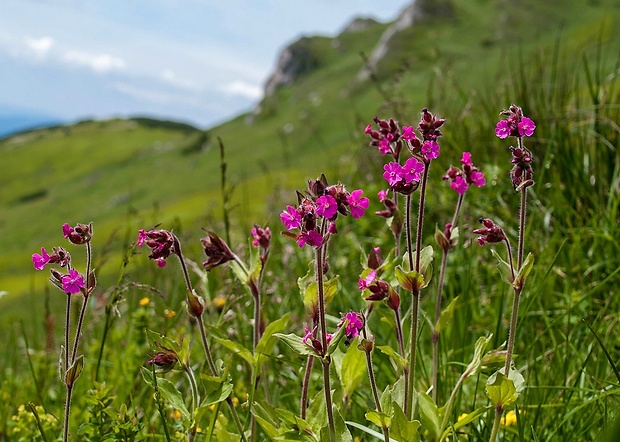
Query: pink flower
(412, 170)
(362, 284)
(408, 133)
(393, 172)
(161, 262)
(368, 129)
(328, 337)
(312, 238)
(477, 178)
(326, 206)
(459, 185)
(353, 324)
(358, 203)
(430, 149)
(502, 129)
(291, 218)
(526, 127)
(308, 335)
(40, 261)
(466, 159)
(332, 229)
(142, 237)
(73, 282)
(66, 230)
(384, 146)
(382, 195)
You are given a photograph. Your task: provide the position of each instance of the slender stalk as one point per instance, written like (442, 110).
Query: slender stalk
(409, 369)
(373, 384)
(65, 433)
(399, 334)
(305, 386)
(160, 409)
(448, 407)
(323, 328)
(496, 423)
(78, 330)
(67, 330)
(33, 409)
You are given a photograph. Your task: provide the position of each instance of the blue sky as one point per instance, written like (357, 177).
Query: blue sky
(200, 61)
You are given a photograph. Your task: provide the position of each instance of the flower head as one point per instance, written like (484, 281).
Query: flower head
(353, 324)
(490, 233)
(357, 203)
(73, 282)
(311, 237)
(161, 243)
(412, 170)
(80, 234)
(459, 185)
(362, 284)
(516, 125)
(526, 127)
(326, 206)
(40, 261)
(393, 173)
(217, 251)
(291, 218)
(262, 237)
(430, 150)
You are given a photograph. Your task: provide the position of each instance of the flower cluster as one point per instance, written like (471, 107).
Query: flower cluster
(516, 125)
(80, 234)
(490, 233)
(352, 323)
(161, 243)
(461, 179)
(322, 204)
(404, 179)
(379, 290)
(388, 138)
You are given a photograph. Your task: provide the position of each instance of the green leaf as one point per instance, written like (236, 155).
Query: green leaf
(479, 348)
(409, 280)
(75, 370)
(217, 392)
(353, 370)
(170, 393)
(268, 340)
(398, 392)
(381, 420)
(335, 341)
(429, 416)
(330, 288)
(310, 299)
(389, 351)
(342, 432)
(402, 429)
(296, 344)
(317, 413)
(502, 390)
(446, 315)
(386, 401)
(503, 267)
(155, 338)
(464, 420)
(241, 271)
(524, 271)
(264, 420)
(367, 430)
(236, 348)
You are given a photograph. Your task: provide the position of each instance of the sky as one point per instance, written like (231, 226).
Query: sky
(197, 61)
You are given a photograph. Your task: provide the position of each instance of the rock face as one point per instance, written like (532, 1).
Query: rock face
(295, 61)
(358, 24)
(417, 11)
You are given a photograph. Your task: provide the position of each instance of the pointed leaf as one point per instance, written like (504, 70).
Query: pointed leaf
(155, 338)
(503, 267)
(479, 348)
(222, 391)
(503, 391)
(330, 288)
(524, 271)
(402, 429)
(464, 420)
(409, 280)
(75, 370)
(353, 370)
(296, 344)
(381, 420)
(170, 393)
(268, 340)
(241, 271)
(342, 432)
(236, 348)
(429, 416)
(446, 315)
(265, 421)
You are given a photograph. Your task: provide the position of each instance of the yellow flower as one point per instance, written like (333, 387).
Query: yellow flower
(510, 418)
(235, 401)
(169, 314)
(144, 301)
(176, 415)
(219, 302)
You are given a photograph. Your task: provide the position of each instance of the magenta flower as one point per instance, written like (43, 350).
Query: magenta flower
(142, 237)
(358, 203)
(393, 173)
(466, 159)
(291, 218)
(368, 129)
(326, 206)
(308, 335)
(312, 238)
(40, 261)
(362, 284)
(412, 170)
(459, 185)
(408, 133)
(382, 194)
(161, 262)
(477, 178)
(502, 129)
(384, 146)
(353, 325)
(526, 127)
(430, 149)
(73, 282)
(66, 230)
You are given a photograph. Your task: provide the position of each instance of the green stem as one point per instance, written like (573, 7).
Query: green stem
(409, 369)
(373, 385)
(65, 436)
(435, 333)
(160, 409)
(496, 424)
(448, 407)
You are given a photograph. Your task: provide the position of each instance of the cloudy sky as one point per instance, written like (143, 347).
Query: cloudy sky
(200, 61)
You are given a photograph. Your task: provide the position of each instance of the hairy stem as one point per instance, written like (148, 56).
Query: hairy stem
(373, 384)
(496, 423)
(65, 433)
(435, 333)
(411, 362)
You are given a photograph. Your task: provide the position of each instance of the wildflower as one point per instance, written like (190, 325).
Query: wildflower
(144, 301)
(429, 126)
(357, 203)
(217, 251)
(393, 173)
(362, 284)
(459, 185)
(461, 179)
(353, 324)
(526, 127)
(491, 233)
(169, 314)
(382, 194)
(40, 261)
(291, 218)
(384, 146)
(466, 159)
(375, 260)
(510, 418)
(412, 170)
(477, 178)
(165, 359)
(408, 133)
(502, 129)
(80, 234)
(516, 125)
(311, 237)
(161, 243)
(388, 136)
(326, 206)
(262, 237)
(73, 282)
(522, 165)
(309, 334)
(430, 150)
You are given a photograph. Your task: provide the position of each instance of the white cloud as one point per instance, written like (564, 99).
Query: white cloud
(142, 93)
(40, 46)
(243, 89)
(170, 77)
(96, 62)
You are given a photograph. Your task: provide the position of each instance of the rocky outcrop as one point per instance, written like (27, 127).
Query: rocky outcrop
(416, 12)
(358, 24)
(294, 62)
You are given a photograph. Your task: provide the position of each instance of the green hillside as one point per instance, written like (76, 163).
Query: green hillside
(464, 66)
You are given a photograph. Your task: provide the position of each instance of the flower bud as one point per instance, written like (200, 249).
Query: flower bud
(217, 251)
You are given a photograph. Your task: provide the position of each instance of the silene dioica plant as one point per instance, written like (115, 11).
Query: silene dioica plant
(402, 410)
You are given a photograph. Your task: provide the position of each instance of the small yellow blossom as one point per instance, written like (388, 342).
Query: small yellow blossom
(235, 401)
(219, 302)
(169, 314)
(144, 301)
(176, 415)
(510, 418)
